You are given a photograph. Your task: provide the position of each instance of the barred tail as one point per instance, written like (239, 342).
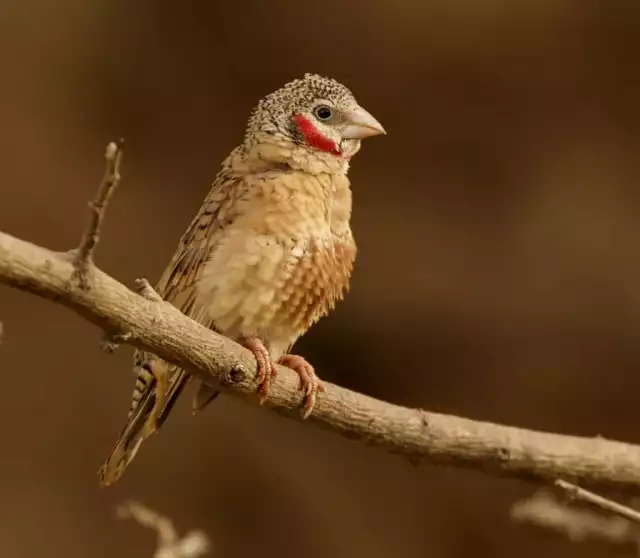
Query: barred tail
(135, 431)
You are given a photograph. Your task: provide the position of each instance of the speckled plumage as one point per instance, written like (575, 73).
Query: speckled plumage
(270, 251)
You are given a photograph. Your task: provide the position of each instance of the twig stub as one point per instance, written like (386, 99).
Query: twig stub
(145, 290)
(235, 375)
(111, 341)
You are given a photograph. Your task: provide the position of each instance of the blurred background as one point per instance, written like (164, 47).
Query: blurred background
(498, 274)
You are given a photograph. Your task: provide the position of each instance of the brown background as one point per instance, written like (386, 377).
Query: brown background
(498, 275)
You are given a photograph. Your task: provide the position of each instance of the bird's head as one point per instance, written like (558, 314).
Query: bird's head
(317, 114)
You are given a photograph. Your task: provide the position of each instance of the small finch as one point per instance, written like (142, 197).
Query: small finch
(268, 254)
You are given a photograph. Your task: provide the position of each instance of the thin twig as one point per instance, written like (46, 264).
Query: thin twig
(543, 510)
(83, 254)
(170, 545)
(580, 494)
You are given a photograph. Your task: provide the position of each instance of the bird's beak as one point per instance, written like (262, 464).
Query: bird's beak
(360, 124)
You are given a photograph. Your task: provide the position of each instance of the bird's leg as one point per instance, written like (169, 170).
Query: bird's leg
(160, 371)
(309, 381)
(266, 369)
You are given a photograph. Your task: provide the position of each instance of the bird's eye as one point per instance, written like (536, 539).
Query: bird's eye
(323, 112)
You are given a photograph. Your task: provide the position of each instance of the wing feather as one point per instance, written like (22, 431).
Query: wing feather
(177, 285)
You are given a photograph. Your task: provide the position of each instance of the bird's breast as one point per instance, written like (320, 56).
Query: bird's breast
(281, 267)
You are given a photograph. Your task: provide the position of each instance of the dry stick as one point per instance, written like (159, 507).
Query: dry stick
(543, 510)
(170, 545)
(580, 494)
(160, 328)
(82, 255)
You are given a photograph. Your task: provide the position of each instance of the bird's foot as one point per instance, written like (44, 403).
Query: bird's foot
(266, 370)
(309, 381)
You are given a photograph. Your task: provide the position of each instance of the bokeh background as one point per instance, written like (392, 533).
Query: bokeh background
(498, 275)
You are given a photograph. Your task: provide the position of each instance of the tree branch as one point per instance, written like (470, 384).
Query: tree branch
(161, 329)
(158, 327)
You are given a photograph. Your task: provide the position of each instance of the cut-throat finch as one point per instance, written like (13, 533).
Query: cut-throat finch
(268, 254)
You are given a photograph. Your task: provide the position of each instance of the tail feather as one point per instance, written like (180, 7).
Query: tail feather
(134, 432)
(175, 389)
(205, 395)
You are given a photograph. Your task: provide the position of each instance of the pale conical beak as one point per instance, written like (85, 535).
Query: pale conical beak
(360, 124)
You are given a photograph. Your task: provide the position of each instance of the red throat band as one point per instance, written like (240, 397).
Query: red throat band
(313, 137)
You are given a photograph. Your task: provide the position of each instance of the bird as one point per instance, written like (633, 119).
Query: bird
(268, 254)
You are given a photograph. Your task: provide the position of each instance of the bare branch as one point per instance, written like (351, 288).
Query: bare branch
(83, 254)
(170, 545)
(543, 510)
(223, 364)
(416, 434)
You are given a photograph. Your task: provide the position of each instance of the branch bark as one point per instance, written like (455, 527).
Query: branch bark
(158, 327)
